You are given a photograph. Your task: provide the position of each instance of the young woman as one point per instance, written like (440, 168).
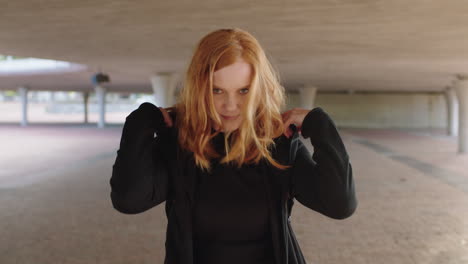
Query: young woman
(228, 163)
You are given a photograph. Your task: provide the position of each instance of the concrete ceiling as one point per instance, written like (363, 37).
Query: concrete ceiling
(366, 45)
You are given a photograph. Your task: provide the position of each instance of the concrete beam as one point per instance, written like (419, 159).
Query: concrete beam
(101, 99)
(164, 87)
(307, 96)
(452, 111)
(461, 88)
(23, 92)
(85, 106)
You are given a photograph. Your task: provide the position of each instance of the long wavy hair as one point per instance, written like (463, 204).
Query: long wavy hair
(196, 113)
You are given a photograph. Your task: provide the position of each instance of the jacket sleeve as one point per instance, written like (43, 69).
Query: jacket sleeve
(324, 181)
(140, 175)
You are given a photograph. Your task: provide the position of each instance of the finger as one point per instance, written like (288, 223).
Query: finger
(167, 118)
(286, 114)
(287, 130)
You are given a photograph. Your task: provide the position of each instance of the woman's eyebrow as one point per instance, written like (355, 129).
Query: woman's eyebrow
(247, 86)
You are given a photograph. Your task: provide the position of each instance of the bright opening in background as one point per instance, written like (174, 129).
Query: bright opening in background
(10, 65)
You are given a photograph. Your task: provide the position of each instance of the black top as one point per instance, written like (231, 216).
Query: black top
(231, 218)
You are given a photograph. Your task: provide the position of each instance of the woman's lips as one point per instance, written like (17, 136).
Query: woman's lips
(229, 117)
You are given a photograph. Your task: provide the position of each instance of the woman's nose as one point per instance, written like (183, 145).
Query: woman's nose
(231, 104)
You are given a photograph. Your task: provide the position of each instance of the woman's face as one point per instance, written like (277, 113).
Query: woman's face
(230, 88)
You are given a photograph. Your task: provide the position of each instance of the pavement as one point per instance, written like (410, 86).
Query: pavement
(56, 208)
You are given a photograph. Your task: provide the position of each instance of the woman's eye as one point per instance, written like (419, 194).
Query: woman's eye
(245, 90)
(216, 90)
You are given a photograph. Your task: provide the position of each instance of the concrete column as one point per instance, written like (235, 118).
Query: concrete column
(307, 97)
(452, 111)
(164, 87)
(101, 99)
(23, 92)
(461, 88)
(85, 105)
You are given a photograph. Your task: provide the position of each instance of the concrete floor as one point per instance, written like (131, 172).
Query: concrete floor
(55, 204)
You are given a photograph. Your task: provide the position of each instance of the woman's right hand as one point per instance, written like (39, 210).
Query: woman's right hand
(167, 117)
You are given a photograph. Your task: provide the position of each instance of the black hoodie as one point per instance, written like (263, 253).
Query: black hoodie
(150, 169)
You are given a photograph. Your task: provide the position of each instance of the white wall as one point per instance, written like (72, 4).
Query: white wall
(425, 110)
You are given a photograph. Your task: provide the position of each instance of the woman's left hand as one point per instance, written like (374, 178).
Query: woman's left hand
(294, 116)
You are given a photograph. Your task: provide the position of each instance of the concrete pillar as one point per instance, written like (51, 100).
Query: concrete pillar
(23, 92)
(452, 111)
(101, 99)
(307, 97)
(461, 88)
(164, 87)
(85, 105)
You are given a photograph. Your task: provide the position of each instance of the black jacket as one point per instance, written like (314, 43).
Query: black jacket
(151, 168)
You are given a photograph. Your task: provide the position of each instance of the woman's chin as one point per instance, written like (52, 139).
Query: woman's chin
(227, 128)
